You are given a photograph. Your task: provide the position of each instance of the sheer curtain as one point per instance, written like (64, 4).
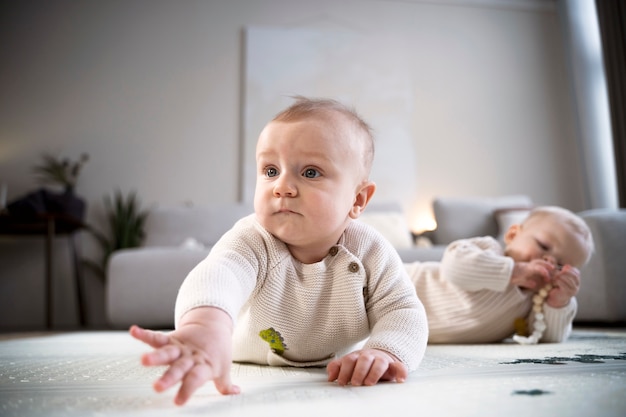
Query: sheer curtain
(612, 23)
(582, 36)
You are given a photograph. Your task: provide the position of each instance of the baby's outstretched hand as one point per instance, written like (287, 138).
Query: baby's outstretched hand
(565, 285)
(366, 367)
(199, 350)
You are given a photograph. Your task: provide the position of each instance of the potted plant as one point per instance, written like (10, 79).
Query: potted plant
(55, 171)
(63, 172)
(125, 222)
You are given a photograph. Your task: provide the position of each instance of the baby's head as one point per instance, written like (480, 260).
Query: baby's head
(340, 118)
(313, 164)
(552, 233)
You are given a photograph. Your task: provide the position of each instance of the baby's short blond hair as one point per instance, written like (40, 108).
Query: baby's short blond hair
(575, 223)
(305, 107)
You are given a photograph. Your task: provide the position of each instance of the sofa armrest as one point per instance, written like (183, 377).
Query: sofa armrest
(602, 295)
(142, 285)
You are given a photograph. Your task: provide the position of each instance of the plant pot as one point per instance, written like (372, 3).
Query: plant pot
(43, 201)
(67, 203)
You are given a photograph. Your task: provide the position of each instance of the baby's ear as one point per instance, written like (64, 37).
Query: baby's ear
(363, 196)
(511, 233)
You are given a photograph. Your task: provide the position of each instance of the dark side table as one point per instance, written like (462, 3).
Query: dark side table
(49, 226)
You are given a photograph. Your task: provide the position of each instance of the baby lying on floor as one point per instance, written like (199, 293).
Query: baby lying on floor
(482, 292)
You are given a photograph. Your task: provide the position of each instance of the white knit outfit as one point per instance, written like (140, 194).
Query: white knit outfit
(320, 311)
(469, 299)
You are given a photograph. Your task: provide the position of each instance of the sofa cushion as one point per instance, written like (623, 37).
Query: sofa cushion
(392, 225)
(465, 217)
(507, 217)
(172, 226)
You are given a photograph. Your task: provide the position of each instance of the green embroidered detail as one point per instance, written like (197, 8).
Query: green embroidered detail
(276, 341)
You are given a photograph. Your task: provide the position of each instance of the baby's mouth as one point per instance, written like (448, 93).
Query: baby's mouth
(285, 210)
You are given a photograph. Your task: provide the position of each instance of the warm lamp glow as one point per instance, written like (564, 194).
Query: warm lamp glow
(423, 223)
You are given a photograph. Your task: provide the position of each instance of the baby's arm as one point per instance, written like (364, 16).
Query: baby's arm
(399, 329)
(366, 367)
(476, 264)
(199, 350)
(559, 322)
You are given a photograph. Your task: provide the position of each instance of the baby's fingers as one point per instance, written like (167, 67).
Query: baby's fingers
(225, 386)
(197, 376)
(193, 380)
(341, 369)
(149, 337)
(397, 372)
(163, 356)
(568, 275)
(332, 370)
(570, 269)
(346, 369)
(174, 374)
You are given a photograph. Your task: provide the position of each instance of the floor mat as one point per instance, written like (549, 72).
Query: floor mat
(98, 374)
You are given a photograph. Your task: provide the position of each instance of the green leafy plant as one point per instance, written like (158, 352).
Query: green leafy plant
(63, 172)
(125, 222)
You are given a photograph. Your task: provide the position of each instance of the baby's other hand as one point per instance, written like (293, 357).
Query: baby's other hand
(366, 367)
(565, 285)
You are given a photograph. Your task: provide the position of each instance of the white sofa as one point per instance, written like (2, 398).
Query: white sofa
(602, 295)
(142, 282)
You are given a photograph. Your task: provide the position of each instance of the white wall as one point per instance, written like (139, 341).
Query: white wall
(152, 90)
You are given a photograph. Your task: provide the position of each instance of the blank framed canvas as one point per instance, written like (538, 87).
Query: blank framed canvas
(367, 71)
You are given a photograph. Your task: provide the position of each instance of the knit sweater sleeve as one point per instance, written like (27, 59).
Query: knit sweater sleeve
(476, 264)
(227, 276)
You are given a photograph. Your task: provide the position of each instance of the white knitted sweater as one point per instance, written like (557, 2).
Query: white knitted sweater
(289, 313)
(468, 297)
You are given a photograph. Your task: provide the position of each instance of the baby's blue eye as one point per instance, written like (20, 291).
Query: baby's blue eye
(311, 173)
(271, 172)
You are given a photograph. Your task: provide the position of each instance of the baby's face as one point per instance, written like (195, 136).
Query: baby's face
(547, 238)
(308, 174)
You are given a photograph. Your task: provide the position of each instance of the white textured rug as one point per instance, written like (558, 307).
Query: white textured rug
(98, 374)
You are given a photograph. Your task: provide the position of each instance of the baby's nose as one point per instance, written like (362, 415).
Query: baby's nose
(284, 187)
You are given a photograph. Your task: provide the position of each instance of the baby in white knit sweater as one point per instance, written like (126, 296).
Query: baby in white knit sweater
(482, 292)
(298, 283)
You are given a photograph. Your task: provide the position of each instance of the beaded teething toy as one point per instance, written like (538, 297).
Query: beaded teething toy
(539, 325)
